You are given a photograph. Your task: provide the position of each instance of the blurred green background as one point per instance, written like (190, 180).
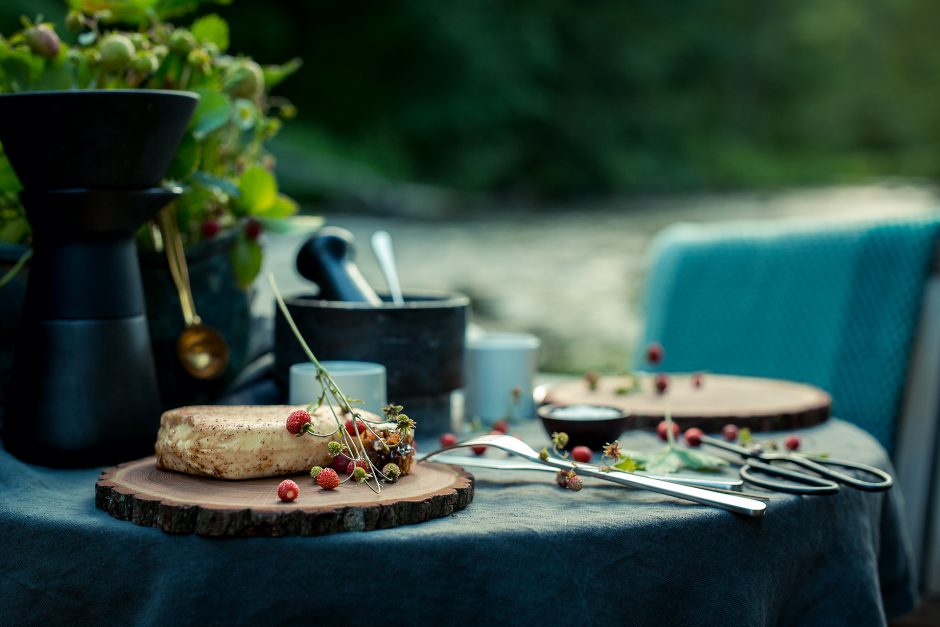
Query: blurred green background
(556, 99)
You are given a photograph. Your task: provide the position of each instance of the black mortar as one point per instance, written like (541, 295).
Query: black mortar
(421, 345)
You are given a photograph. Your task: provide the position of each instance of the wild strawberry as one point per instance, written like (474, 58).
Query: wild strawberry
(581, 454)
(328, 479)
(662, 383)
(561, 478)
(693, 436)
(574, 483)
(116, 51)
(654, 353)
(210, 228)
(448, 439)
(316, 470)
(392, 472)
(730, 432)
(359, 463)
(792, 443)
(661, 430)
(252, 230)
(478, 450)
(359, 426)
(288, 491)
(501, 426)
(297, 420)
(340, 463)
(43, 41)
(697, 380)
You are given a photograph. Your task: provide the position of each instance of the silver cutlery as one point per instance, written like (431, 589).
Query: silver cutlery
(731, 502)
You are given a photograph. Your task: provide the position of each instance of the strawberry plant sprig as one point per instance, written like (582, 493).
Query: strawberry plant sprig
(351, 444)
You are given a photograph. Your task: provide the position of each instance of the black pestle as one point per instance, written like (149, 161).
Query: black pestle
(327, 260)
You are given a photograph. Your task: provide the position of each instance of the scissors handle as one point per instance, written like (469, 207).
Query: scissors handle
(755, 471)
(821, 466)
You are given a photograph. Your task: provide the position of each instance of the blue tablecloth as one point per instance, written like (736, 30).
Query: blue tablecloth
(524, 552)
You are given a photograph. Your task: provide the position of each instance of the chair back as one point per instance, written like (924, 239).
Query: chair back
(833, 305)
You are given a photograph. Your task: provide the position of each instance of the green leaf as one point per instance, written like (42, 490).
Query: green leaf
(296, 225)
(275, 74)
(696, 460)
(186, 159)
(258, 190)
(246, 260)
(14, 230)
(664, 462)
(283, 207)
(140, 11)
(211, 28)
(212, 112)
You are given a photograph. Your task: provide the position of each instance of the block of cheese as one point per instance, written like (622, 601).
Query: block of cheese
(242, 442)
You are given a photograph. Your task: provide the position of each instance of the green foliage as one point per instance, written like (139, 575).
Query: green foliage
(222, 162)
(561, 98)
(138, 11)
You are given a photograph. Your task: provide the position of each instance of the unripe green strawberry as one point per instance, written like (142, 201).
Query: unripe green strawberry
(182, 41)
(43, 41)
(116, 52)
(74, 21)
(146, 64)
(245, 79)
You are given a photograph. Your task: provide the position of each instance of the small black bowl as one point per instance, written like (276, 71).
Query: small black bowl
(585, 430)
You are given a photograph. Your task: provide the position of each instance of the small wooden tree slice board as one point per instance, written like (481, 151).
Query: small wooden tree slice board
(759, 404)
(180, 503)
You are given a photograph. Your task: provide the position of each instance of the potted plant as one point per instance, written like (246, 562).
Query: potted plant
(230, 192)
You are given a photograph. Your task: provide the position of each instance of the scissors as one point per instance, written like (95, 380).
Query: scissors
(824, 480)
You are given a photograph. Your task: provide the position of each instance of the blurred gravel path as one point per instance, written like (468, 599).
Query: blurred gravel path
(572, 275)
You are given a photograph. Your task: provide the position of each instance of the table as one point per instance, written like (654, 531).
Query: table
(524, 552)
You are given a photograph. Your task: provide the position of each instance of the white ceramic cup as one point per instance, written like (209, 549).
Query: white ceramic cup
(356, 379)
(497, 364)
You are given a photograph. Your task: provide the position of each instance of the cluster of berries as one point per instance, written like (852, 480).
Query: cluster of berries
(500, 427)
(654, 356)
(569, 479)
(328, 478)
(693, 435)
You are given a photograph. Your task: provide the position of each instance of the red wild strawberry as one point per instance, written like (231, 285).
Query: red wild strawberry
(501, 426)
(581, 454)
(288, 491)
(297, 420)
(730, 432)
(574, 483)
(328, 479)
(361, 463)
(792, 442)
(210, 228)
(252, 230)
(654, 353)
(448, 439)
(662, 383)
(360, 426)
(478, 450)
(693, 436)
(661, 430)
(340, 462)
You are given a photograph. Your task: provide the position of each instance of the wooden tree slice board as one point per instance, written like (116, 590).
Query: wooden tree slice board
(759, 404)
(179, 503)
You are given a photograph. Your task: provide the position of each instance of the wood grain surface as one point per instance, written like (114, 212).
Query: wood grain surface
(179, 503)
(759, 404)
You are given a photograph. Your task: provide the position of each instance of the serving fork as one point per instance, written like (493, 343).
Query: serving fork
(510, 444)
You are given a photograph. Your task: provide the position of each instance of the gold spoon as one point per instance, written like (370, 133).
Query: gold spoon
(201, 349)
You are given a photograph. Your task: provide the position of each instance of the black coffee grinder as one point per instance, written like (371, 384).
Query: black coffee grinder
(83, 389)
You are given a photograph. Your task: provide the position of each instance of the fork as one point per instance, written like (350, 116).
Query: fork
(515, 446)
